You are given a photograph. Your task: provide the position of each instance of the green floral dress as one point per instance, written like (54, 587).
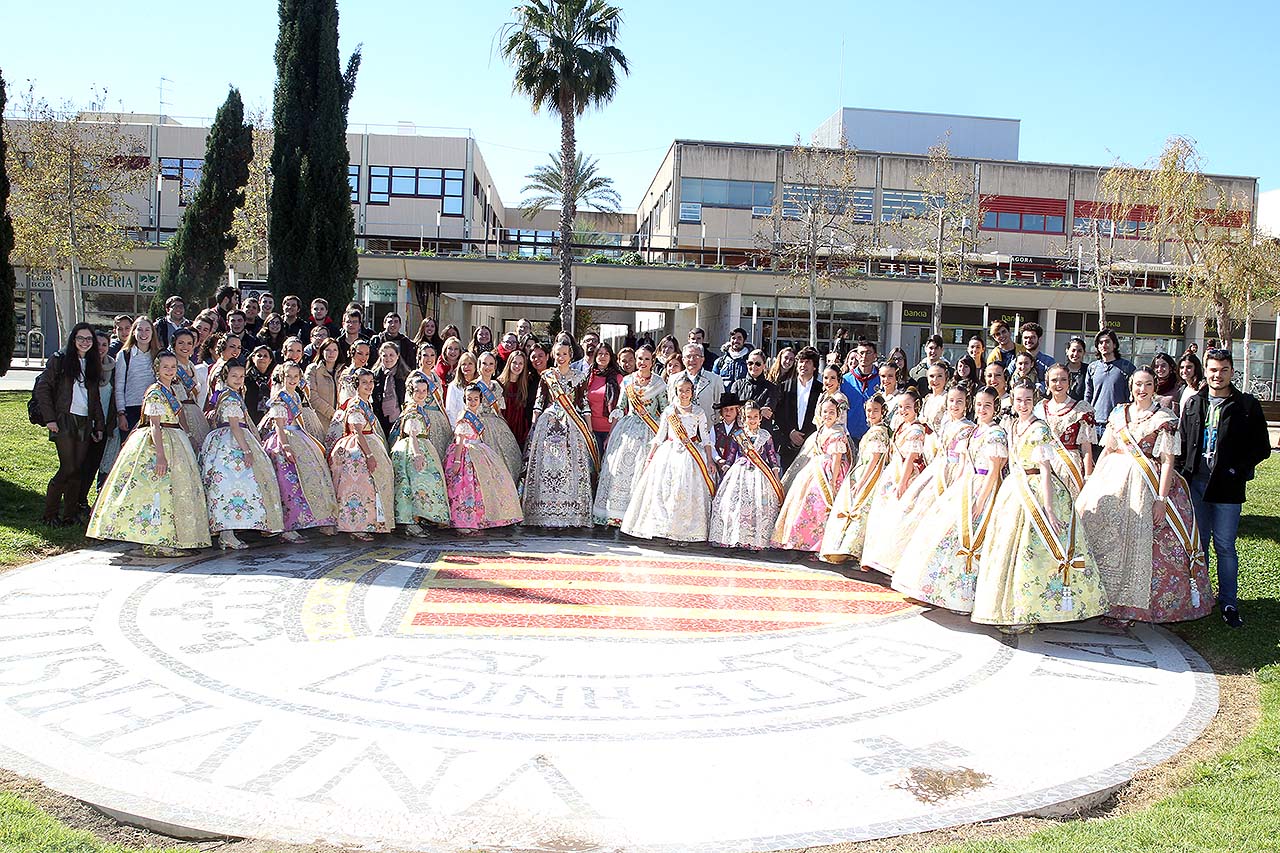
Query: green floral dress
(137, 504)
(1028, 573)
(420, 489)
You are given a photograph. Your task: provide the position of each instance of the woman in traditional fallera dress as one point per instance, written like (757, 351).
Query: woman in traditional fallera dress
(943, 567)
(1071, 423)
(191, 387)
(419, 473)
(1137, 510)
(831, 378)
(803, 517)
(302, 471)
(935, 405)
(563, 456)
(945, 450)
(492, 409)
(745, 509)
(673, 493)
(643, 398)
(433, 409)
(846, 530)
(481, 492)
(1036, 566)
(906, 461)
(239, 483)
(153, 495)
(361, 468)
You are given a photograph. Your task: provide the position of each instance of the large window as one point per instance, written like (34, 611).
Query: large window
(414, 182)
(896, 205)
(796, 197)
(530, 243)
(1127, 230)
(713, 192)
(353, 181)
(186, 172)
(783, 321)
(691, 211)
(1028, 222)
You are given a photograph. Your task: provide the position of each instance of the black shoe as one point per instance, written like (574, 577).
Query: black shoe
(1231, 616)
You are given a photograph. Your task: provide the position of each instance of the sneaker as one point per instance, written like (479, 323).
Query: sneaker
(1231, 616)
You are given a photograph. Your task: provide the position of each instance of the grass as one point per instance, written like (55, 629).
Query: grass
(1229, 803)
(27, 461)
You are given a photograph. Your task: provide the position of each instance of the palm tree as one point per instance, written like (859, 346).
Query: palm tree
(587, 188)
(565, 60)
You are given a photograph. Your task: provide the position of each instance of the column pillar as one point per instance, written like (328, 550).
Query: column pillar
(894, 321)
(1050, 343)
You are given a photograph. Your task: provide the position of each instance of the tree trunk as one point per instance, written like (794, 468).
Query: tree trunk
(568, 209)
(1248, 336)
(1098, 279)
(813, 282)
(1224, 323)
(937, 280)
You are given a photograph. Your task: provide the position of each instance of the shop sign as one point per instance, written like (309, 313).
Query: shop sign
(378, 290)
(39, 279)
(922, 314)
(148, 282)
(115, 281)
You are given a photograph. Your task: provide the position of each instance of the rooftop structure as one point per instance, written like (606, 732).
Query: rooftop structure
(901, 132)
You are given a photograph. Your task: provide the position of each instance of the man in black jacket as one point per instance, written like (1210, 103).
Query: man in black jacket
(1224, 437)
(797, 401)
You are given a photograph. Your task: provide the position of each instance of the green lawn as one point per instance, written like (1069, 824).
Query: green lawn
(1230, 803)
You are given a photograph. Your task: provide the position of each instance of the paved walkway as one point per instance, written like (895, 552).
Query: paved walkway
(553, 693)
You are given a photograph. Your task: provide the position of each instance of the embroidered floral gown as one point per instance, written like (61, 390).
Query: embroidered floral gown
(846, 529)
(138, 505)
(1027, 574)
(1151, 573)
(337, 426)
(366, 499)
(745, 509)
(1073, 427)
(881, 545)
(803, 517)
(557, 482)
(934, 411)
(498, 434)
(628, 446)
(672, 498)
(943, 567)
(188, 389)
(433, 411)
(480, 489)
(419, 478)
(306, 486)
(240, 489)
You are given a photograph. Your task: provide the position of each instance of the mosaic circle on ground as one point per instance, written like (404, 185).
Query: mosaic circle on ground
(541, 693)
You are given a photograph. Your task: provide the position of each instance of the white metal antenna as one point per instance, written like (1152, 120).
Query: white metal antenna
(163, 102)
(840, 93)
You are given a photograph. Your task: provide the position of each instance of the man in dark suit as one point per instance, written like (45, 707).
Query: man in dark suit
(1223, 435)
(797, 401)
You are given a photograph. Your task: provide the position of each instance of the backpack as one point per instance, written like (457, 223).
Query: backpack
(33, 405)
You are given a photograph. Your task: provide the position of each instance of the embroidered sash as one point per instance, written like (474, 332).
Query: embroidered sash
(1187, 530)
(749, 450)
(489, 397)
(971, 540)
(170, 398)
(824, 483)
(875, 469)
(473, 420)
(560, 396)
(677, 429)
(366, 409)
(636, 401)
(188, 381)
(1066, 556)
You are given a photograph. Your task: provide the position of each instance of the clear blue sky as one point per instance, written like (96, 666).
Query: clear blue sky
(1090, 82)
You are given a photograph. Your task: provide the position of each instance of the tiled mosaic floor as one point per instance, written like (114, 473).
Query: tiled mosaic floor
(553, 693)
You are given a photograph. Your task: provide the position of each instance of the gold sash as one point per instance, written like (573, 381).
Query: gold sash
(971, 540)
(635, 396)
(1187, 531)
(1066, 557)
(558, 394)
(677, 429)
(748, 446)
(864, 494)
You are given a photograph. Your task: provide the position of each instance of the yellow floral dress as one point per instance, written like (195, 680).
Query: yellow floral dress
(139, 505)
(1028, 573)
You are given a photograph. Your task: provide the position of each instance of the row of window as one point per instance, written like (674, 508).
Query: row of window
(1129, 229)
(742, 195)
(1030, 222)
(186, 172)
(894, 204)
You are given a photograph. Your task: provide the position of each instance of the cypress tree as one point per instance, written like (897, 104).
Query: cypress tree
(8, 282)
(197, 256)
(311, 235)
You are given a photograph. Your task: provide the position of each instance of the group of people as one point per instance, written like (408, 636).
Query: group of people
(1009, 486)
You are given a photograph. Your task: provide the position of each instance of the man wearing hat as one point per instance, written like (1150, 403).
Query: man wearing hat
(727, 406)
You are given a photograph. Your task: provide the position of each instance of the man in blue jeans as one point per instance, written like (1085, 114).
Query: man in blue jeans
(1224, 437)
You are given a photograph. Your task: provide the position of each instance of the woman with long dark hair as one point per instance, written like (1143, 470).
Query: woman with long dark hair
(603, 385)
(1168, 391)
(1191, 372)
(70, 406)
(428, 333)
(518, 391)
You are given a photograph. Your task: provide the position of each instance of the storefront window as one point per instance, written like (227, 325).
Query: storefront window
(101, 308)
(784, 321)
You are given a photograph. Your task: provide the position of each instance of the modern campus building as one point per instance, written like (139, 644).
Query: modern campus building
(435, 236)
